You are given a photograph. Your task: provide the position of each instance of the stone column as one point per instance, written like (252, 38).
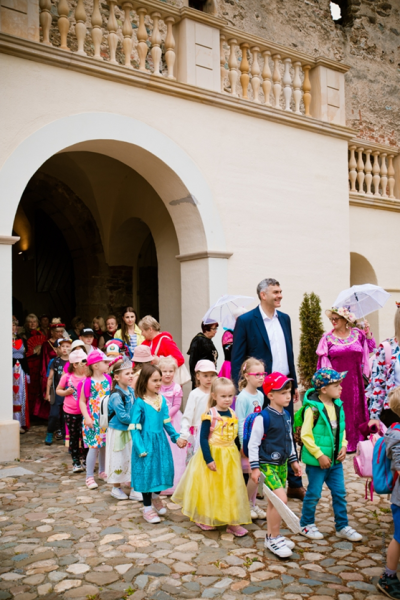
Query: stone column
(9, 428)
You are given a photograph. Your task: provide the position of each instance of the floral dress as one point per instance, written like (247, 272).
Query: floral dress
(94, 437)
(350, 354)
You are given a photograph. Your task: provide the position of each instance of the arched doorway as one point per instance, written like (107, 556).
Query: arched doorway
(192, 263)
(361, 271)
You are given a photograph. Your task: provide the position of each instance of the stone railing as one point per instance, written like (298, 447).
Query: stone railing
(190, 47)
(373, 170)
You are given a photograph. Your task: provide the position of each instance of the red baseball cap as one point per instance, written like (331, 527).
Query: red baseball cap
(275, 382)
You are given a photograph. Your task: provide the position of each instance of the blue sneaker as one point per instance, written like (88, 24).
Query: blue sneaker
(49, 439)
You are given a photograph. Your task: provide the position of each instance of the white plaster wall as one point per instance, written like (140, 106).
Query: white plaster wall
(375, 235)
(279, 195)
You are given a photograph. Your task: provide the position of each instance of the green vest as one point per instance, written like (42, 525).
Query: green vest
(322, 431)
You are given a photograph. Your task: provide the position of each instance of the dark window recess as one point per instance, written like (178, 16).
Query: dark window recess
(341, 13)
(198, 4)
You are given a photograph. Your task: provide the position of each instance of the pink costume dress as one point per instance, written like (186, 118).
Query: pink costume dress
(173, 395)
(350, 354)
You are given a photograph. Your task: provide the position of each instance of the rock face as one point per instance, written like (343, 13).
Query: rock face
(104, 550)
(367, 38)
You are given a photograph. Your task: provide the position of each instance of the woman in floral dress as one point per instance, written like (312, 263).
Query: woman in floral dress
(347, 348)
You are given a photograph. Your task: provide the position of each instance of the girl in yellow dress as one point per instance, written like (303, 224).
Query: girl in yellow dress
(212, 491)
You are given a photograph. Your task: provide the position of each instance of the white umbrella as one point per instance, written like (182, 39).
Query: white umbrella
(362, 300)
(291, 520)
(223, 311)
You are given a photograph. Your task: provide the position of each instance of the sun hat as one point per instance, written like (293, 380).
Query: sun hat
(142, 354)
(205, 366)
(275, 382)
(97, 356)
(87, 331)
(324, 377)
(77, 356)
(343, 312)
(77, 344)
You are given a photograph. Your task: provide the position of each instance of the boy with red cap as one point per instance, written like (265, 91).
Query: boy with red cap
(270, 451)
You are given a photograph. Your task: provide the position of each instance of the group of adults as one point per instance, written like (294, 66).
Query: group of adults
(266, 333)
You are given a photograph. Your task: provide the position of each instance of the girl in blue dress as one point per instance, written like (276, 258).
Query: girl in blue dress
(152, 467)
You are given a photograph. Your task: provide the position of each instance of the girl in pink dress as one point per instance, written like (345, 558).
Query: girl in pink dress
(347, 348)
(172, 392)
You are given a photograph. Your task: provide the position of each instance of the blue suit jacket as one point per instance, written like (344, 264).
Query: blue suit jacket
(250, 338)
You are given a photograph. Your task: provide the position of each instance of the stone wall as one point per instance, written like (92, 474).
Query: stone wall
(367, 39)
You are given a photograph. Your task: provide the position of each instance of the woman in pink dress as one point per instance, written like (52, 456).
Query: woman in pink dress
(172, 393)
(347, 348)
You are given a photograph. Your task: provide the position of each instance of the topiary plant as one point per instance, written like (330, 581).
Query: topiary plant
(311, 332)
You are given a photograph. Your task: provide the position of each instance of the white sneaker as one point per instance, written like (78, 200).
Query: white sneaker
(288, 542)
(350, 534)
(312, 532)
(77, 468)
(158, 505)
(253, 512)
(278, 546)
(117, 493)
(136, 496)
(151, 516)
(261, 514)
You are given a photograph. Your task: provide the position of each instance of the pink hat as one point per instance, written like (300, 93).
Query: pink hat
(97, 356)
(142, 354)
(77, 356)
(205, 366)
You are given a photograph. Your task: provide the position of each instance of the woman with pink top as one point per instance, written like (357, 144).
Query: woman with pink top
(172, 392)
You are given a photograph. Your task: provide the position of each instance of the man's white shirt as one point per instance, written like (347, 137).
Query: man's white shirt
(277, 342)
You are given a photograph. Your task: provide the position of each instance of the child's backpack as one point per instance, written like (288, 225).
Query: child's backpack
(299, 420)
(248, 426)
(383, 477)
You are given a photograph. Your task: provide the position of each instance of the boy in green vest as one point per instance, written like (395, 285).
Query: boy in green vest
(324, 450)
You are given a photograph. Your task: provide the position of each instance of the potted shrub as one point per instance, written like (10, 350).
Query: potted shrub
(311, 332)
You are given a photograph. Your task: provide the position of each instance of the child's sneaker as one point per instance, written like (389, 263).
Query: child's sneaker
(119, 494)
(103, 475)
(288, 542)
(312, 532)
(158, 505)
(237, 530)
(390, 586)
(349, 534)
(135, 496)
(91, 484)
(49, 439)
(261, 514)
(59, 435)
(278, 546)
(151, 516)
(77, 468)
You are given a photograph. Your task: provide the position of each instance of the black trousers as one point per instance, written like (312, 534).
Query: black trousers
(74, 424)
(147, 498)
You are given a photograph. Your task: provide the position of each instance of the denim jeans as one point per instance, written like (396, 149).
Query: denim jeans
(334, 479)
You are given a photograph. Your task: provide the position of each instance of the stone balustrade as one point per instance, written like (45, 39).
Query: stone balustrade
(373, 170)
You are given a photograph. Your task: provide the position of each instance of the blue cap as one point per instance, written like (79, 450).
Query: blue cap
(324, 377)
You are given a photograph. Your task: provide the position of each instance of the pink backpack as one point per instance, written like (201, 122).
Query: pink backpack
(362, 461)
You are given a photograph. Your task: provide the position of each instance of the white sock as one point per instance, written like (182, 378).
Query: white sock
(147, 508)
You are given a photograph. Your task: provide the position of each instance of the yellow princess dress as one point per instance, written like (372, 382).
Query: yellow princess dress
(218, 497)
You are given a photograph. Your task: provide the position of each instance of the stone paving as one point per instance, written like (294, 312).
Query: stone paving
(60, 540)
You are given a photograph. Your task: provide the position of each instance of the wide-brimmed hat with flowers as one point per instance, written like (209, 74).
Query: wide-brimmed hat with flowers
(343, 312)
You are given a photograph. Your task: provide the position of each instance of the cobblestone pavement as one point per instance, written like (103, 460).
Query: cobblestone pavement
(60, 540)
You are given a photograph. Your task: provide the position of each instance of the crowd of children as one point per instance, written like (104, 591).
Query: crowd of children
(122, 409)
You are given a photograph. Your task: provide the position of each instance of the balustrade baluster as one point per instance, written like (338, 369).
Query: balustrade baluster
(127, 42)
(384, 179)
(45, 20)
(156, 43)
(170, 47)
(255, 74)
(360, 170)
(244, 69)
(97, 32)
(307, 90)
(276, 78)
(233, 64)
(112, 27)
(142, 39)
(80, 27)
(63, 23)
(352, 169)
(297, 87)
(376, 178)
(222, 61)
(391, 175)
(287, 83)
(267, 78)
(368, 170)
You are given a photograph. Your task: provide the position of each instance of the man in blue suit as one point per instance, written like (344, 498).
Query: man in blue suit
(266, 333)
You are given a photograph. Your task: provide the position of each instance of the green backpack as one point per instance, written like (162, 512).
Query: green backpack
(299, 420)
